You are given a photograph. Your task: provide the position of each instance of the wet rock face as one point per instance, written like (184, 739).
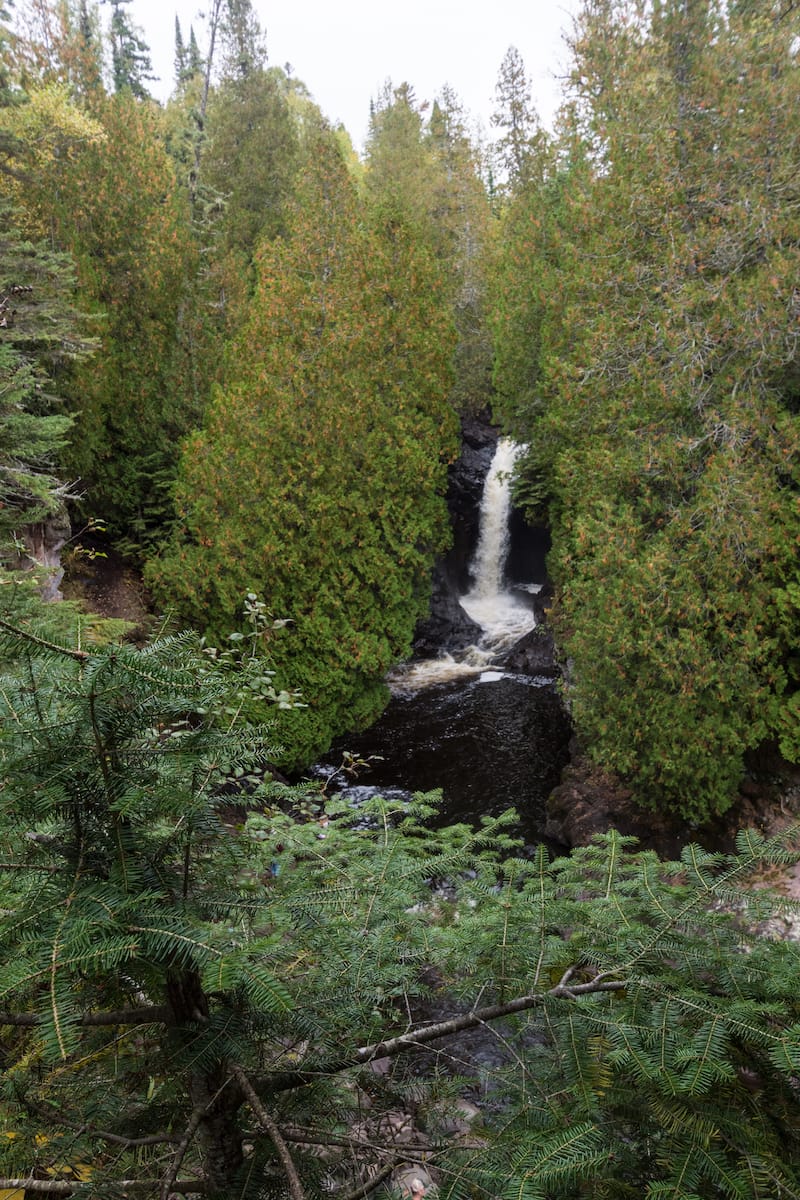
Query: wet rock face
(589, 801)
(43, 544)
(535, 654)
(464, 491)
(448, 626)
(527, 551)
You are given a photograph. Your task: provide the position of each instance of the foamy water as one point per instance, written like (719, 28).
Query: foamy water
(502, 615)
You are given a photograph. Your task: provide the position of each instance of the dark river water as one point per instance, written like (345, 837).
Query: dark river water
(488, 743)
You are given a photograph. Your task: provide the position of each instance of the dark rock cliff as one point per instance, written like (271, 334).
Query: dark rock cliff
(448, 627)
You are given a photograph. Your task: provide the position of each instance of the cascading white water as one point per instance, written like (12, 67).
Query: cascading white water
(493, 534)
(502, 615)
(487, 747)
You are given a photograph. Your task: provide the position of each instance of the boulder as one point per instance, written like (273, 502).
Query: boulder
(534, 654)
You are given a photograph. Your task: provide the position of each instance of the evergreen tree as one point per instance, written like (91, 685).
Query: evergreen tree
(670, 433)
(462, 218)
(193, 1008)
(40, 327)
(194, 59)
(244, 49)
(430, 175)
(319, 475)
(60, 43)
(86, 58)
(31, 439)
(119, 208)
(180, 54)
(39, 335)
(399, 163)
(515, 118)
(249, 160)
(131, 68)
(238, 144)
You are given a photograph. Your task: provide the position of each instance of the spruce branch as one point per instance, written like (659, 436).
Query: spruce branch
(149, 1015)
(78, 655)
(11, 866)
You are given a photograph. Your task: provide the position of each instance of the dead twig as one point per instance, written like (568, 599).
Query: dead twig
(273, 1133)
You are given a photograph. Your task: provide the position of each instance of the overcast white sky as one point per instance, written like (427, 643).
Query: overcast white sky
(344, 50)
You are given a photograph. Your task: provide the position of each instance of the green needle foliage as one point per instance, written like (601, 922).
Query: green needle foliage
(123, 216)
(191, 1002)
(319, 475)
(647, 353)
(39, 336)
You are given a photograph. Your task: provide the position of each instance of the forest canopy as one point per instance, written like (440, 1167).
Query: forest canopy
(283, 339)
(236, 355)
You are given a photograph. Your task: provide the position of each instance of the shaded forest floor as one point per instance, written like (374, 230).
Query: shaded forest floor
(109, 586)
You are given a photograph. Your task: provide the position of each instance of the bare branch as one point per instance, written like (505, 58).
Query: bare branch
(149, 1015)
(312, 1137)
(116, 1139)
(271, 1129)
(431, 1033)
(365, 1188)
(180, 1153)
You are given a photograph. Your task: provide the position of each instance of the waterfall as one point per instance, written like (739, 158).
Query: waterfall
(503, 615)
(474, 723)
(493, 534)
